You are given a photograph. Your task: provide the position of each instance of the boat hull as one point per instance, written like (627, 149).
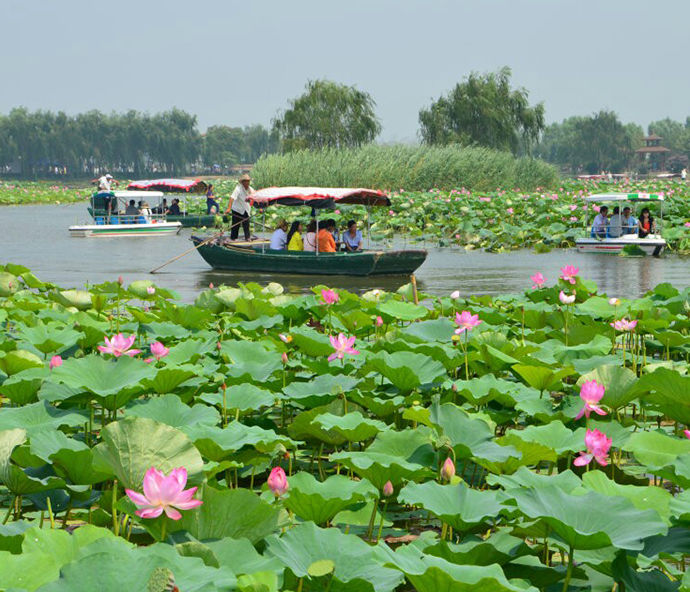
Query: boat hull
(187, 221)
(651, 245)
(117, 230)
(363, 263)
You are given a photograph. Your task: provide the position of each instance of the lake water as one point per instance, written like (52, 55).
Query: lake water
(37, 237)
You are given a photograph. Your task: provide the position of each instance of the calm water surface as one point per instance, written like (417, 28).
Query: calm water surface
(37, 237)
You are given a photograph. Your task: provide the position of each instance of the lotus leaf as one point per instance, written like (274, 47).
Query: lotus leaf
(250, 360)
(39, 417)
(18, 360)
(354, 427)
(406, 370)
(79, 299)
(170, 410)
(219, 443)
(320, 389)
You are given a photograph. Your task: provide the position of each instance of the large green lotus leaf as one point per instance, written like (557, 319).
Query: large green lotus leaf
(320, 389)
(48, 338)
(319, 501)
(189, 351)
(354, 427)
(393, 456)
(530, 569)
(440, 329)
(186, 316)
(457, 505)
(427, 573)
(14, 477)
(588, 364)
(250, 359)
(15, 361)
(656, 450)
(79, 299)
(470, 436)
(597, 306)
(553, 436)
(523, 477)
(218, 443)
(500, 548)
(620, 384)
(39, 417)
(170, 410)
(243, 397)
(670, 393)
(22, 388)
(241, 557)
(253, 309)
(167, 379)
(12, 535)
(396, 310)
(480, 391)
(554, 351)
(310, 342)
(541, 377)
(156, 331)
(235, 513)
(406, 370)
(451, 357)
(133, 445)
(9, 284)
(589, 521)
(631, 580)
(303, 426)
(70, 458)
(676, 541)
(358, 566)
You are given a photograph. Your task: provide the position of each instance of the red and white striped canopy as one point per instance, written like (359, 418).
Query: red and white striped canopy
(318, 197)
(170, 185)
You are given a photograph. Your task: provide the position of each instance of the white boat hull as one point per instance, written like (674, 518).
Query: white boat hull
(116, 230)
(651, 245)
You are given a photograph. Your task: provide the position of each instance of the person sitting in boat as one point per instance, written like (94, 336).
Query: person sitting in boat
(325, 238)
(279, 236)
(310, 237)
(601, 222)
(616, 223)
(145, 213)
(174, 209)
(294, 238)
(352, 238)
(646, 224)
(211, 203)
(629, 223)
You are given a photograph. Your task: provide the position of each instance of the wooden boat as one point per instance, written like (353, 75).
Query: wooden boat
(153, 228)
(652, 244)
(235, 256)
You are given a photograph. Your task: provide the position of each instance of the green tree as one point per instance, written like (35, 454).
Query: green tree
(222, 145)
(328, 115)
(484, 110)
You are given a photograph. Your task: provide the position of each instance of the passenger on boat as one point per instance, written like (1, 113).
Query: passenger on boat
(352, 238)
(294, 238)
(131, 209)
(174, 209)
(239, 207)
(646, 224)
(145, 213)
(628, 222)
(161, 209)
(616, 223)
(310, 237)
(211, 202)
(601, 222)
(279, 236)
(325, 237)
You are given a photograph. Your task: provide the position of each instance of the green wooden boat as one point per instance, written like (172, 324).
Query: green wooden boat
(253, 258)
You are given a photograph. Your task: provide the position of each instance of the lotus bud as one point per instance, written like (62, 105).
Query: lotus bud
(379, 321)
(277, 482)
(388, 489)
(448, 470)
(120, 280)
(150, 290)
(284, 357)
(55, 361)
(210, 286)
(687, 433)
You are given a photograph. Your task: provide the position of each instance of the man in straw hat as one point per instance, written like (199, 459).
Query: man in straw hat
(240, 208)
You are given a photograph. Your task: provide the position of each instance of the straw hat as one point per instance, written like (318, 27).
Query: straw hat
(245, 177)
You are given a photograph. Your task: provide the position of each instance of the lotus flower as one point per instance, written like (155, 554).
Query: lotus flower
(565, 299)
(164, 494)
(387, 489)
(687, 433)
(159, 350)
(466, 321)
(624, 325)
(342, 345)
(591, 393)
(285, 338)
(119, 345)
(378, 322)
(455, 295)
(614, 301)
(538, 280)
(277, 481)
(597, 448)
(330, 296)
(569, 273)
(510, 210)
(120, 280)
(150, 290)
(448, 470)
(55, 361)
(284, 358)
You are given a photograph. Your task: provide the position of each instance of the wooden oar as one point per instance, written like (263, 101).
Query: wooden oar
(187, 252)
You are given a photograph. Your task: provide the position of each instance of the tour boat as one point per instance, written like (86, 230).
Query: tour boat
(221, 253)
(652, 244)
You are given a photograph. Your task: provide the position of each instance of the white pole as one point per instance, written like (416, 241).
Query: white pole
(316, 217)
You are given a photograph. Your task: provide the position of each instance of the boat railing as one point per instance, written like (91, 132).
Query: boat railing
(130, 219)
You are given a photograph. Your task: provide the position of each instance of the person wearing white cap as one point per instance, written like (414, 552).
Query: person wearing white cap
(104, 185)
(239, 208)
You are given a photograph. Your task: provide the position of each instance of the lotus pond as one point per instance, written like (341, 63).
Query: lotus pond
(260, 441)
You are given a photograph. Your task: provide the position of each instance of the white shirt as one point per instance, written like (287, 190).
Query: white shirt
(239, 199)
(600, 222)
(309, 241)
(616, 225)
(278, 240)
(104, 183)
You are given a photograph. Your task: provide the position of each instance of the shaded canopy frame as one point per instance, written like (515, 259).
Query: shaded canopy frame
(318, 197)
(604, 197)
(170, 185)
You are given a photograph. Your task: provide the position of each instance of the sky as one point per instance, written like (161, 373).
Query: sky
(239, 63)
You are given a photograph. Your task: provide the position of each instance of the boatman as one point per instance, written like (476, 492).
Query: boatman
(104, 186)
(239, 208)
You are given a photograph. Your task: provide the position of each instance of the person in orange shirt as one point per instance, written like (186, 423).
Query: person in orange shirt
(326, 242)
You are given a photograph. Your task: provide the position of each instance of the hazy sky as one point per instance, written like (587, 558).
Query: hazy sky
(238, 63)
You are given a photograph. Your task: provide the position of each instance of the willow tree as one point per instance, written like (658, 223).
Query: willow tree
(328, 115)
(484, 110)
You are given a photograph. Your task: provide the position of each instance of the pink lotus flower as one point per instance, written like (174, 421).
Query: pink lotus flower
(455, 295)
(598, 446)
(687, 225)
(277, 482)
(120, 280)
(538, 280)
(448, 470)
(119, 345)
(572, 207)
(159, 350)
(565, 299)
(591, 393)
(284, 358)
(624, 325)
(569, 273)
(285, 338)
(687, 433)
(510, 211)
(337, 212)
(596, 208)
(55, 361)
(164, 494)
(466, 321)
(330, 296)
(573, 218)
(378, 322)
(342, 345)
(614, 301)
(391, 213)
(387, 489)
(150, 290)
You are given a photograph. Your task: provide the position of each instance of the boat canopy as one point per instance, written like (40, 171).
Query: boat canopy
(318, 197)
(602, 197)
(171, 185)
(136, 194)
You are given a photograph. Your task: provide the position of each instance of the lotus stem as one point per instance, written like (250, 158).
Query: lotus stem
(9, 510)
(444, 531)
(372, 519)
(383, 516)
(116, 526)
(163, 529)
(569, 572)
(50, 513)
